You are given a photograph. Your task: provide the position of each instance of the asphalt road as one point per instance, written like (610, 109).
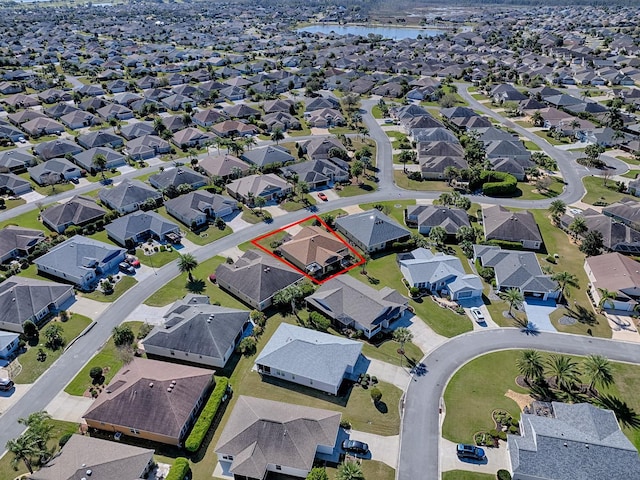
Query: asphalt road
(420, 425)
(419, 453)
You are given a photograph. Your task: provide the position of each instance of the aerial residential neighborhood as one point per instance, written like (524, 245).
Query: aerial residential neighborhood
(319, 240)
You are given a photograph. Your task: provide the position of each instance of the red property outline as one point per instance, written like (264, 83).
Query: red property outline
(329, 229)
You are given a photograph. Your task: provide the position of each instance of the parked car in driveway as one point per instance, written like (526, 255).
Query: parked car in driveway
(477, 314)
(322, 196)
(354, 446)
(469, 451)
(126, 268)
(5, 384)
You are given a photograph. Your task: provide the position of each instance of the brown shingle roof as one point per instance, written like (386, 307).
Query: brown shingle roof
(313, 244)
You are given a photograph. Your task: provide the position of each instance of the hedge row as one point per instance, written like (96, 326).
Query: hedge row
(179, 469)
(200, 429)
(498, 184)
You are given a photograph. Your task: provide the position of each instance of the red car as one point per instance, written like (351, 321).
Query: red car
(322, 196)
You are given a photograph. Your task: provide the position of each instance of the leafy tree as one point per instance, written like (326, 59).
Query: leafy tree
(530, 365)
(187, 263)
(376, 395)
(30, 330)
(565, 280)
(123, 336)
(319, 321)
(467, 248)
(349, 471)
(357, 168)
(513, 297)
(53, 334)
(592, 243)
(247, 346)
(466, 234)
(318, 473)
(96, 373)
(565, 371)
(437, 235)
(597, 369)
(593, 152)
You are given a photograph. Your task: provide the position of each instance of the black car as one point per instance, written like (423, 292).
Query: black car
(354, 446)
(469, 451)
(5, 384)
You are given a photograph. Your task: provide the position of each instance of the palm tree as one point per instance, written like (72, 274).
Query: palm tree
(578, 226)
(514, 297)
(349, 471)
(402, 335)
(606, 297)
(288, 295)
(557, 208)
(260, 202)
(565, 371)
(598, 370)
(100, 161)
(530, 365)
(565, 280)
(575, 125)
(187, 263)
(536, 119)
(23, 449)
(405, 156)
(277, 135)
(250, 141)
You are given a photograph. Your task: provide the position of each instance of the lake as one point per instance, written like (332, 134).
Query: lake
(394, 33)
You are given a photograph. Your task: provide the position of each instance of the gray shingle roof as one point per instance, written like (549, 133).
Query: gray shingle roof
(139, 223)
(502, 224)
(451, 219)
(77, 211)
(311, 354)
(372, 227)
(127, 193)
(267, 155)
(192, 325)
(582, 442)
(196, 203)
(257, 275)
(346, 299)
(21, 298)
(17, 238)
(105, 459)
(261, 432)
(175, 177)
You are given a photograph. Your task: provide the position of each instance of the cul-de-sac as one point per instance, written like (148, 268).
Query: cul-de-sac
(319, 240)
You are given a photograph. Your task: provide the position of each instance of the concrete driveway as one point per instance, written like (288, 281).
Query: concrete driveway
(69, 408)
(383, 449)
(496, 458)
(88, 308)
(538, 312)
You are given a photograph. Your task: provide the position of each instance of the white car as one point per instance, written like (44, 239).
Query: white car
(477, 314)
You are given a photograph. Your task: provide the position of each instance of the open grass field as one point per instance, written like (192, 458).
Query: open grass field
(597, 191)
(405, 182)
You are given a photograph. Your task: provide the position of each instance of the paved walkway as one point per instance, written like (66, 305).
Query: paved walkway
(496, 458)
(87, 307)
(386, 372)
(383, 449)
(69, 408)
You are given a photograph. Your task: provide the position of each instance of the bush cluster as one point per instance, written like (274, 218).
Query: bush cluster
(498, 184)
(179, 469)
(200, 429)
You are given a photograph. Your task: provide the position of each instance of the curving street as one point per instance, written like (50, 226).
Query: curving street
(420, 432)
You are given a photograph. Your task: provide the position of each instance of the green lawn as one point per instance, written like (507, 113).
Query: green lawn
(177, 288)
(479, 387)
(47, 191)
(371, 469)
(31, 367)
(294, 205)
(388, 352)
(425, 185)
(122, 286)
(9, 204)
(528, 191)
(27, 220)
(302, 132)
(365, 186)
(60, 428)
(631, 174)
(598, 192)
(376, 112)
(341, 130)
(157, 260)
(631, 160)
(249, 216)
(543, 134)
(466, 475)
(531, 146)
(386, 272)
(108, 358)
(395, 209)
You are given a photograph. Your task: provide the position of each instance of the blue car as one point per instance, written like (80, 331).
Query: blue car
(469, 451)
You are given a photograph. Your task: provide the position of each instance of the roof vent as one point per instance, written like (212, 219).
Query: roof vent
(566, 444)
(169, 389)
(151, 385)
(173, 382)
(89, 472)
(586, 445)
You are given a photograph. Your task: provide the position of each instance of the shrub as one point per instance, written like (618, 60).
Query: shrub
(414, 291)
(498, 184)
(247, 346)
(179, 469)
(513, 430)
(376, 395)
(503, 475)
(64, 439)
(145, 329)
(95, 373)
(202, 425)
(345, 423)
(374, 379)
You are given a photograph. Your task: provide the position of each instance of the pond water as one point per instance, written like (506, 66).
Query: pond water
(394, 33)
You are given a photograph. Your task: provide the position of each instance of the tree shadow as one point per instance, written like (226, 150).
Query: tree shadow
(626, 415)
(381, 407)
(196, 285)
(582, 314)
